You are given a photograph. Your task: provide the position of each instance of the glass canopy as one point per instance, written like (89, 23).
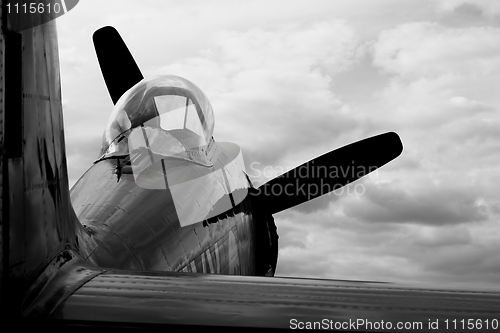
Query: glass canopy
(167, 105)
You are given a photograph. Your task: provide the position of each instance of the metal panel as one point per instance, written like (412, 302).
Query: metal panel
(13, 94)
(37, 220)
(48, 219)
(145, 222)
(3, 220)
(124, 298)
(13, 182)
(17, 233)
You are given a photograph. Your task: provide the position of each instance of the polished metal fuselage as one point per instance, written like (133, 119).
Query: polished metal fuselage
(129, 227)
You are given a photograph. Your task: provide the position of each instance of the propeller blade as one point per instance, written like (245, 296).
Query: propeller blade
(118, 67)
(329, 172)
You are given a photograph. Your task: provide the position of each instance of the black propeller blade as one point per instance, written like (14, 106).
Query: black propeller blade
(118, 67)
(329, 172)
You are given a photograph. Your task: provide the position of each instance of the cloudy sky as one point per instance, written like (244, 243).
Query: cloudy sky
(290, 80)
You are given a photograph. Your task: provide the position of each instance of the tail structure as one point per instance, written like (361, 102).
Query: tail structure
(37, 221)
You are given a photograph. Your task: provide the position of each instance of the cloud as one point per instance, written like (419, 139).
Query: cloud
(71, 62)
(276, 83)
(404, 162)
(329, 245)
(317, 204)
(478, 131)
(429, 205)
(427, 49)
(346, 249)
(428, 103)
(485, 7)
(464, 103)
(80, 154)
(439, 74)
(477, 262)
(429, 236)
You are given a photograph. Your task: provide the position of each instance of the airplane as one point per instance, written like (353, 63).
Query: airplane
(165, 230)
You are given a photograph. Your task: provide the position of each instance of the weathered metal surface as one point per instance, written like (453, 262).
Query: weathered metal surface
(17, 234)
(63, 276)
(36, 209)
(3, 221)
(250, 302)
(47, 206)
(136, 228)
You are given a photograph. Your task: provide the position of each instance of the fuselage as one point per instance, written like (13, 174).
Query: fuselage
(165, 196)
(130, 227)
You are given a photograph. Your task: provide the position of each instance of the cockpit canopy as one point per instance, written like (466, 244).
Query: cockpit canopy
(167, 103)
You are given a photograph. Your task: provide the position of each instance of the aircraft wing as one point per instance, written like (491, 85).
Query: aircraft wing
(80, 296)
